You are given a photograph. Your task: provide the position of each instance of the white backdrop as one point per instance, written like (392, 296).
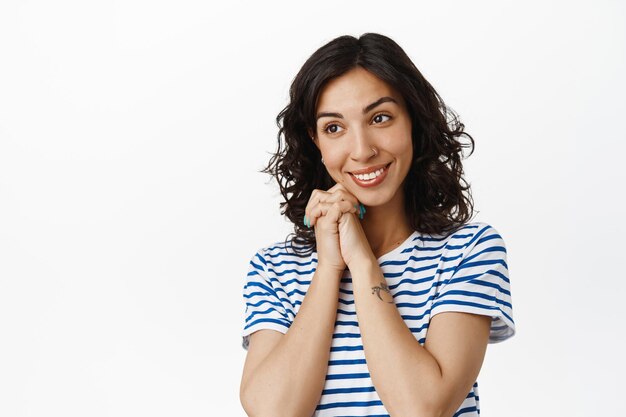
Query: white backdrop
(131, 136)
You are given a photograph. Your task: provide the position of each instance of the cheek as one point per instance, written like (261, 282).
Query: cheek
(331, 163)
(398, 141)
(334, 157)
(400, 145)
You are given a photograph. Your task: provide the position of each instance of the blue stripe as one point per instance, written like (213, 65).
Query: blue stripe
(254, 294)
(347, 390)
(346, 336)
(293, 262)
(346, 323)
(487, 238)
(440, 239)
(257, 267)
(254, 272)
(485, 262)
(478, 234)
(411, 258)
(467, 303)
(418, 329)
(263, 312)
(471, 278)
(492, 285)
(277, 254)
(265, 287)
(274, 303)
(349, 404)
(474, 294)
(435, 248)
(298, 281)
(284, 323)
(411, 281)
(347, 313)
(296, 291)
(281, 306)
(347, 362)
(421, 259)
(289, 271)
(343, 291)
(420, 317)
(414, 293)
(454, 236)
(409, 269)
(486, 250)
(260, 258)
(348, 376)
(346, 348)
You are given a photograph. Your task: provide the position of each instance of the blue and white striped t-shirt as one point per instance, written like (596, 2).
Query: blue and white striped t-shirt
(465, 271)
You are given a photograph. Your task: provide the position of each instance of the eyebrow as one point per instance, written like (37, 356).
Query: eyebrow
(365, 110)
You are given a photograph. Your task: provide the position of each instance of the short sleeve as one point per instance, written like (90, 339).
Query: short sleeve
(480, 284)
(264, 309)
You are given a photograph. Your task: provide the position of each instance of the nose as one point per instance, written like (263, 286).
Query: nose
(362, 146)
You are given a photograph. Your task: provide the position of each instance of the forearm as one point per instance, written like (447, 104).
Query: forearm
(406, 376)
(289, 381)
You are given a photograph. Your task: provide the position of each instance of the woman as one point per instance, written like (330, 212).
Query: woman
(344, 319)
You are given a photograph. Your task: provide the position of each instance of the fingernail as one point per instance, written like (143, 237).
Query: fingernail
(363, 207)
(306, 221)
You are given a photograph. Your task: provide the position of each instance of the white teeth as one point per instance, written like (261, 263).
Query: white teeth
(370, 176)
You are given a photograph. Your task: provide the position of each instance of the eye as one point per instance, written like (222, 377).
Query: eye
(331, 128)
(379, 118)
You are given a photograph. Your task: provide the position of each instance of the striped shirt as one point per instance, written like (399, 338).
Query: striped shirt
(465, 271)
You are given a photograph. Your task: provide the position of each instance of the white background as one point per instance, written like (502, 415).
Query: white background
(131, 136)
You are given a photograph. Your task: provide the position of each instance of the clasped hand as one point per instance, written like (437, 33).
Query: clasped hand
(340, 238)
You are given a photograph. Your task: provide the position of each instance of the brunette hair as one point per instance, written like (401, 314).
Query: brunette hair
(437, 197)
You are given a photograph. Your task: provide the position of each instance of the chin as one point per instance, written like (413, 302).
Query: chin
(373, 199)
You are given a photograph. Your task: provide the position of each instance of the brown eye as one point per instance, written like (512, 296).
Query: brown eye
(379, 118)
(331, 128)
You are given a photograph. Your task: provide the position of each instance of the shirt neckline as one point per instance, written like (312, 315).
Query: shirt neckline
(407, 242)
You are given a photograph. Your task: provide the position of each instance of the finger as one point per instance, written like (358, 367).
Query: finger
(336, 193)
(337, 208)
(342, 194)
(337, 186)
(316, 196)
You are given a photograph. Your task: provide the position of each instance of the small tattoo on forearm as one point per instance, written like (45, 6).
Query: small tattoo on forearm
(383, 286)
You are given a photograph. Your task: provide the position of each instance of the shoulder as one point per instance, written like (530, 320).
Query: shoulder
(474, 233)
(463, 237)
(481, 245)
(471, 240)
(280, 253)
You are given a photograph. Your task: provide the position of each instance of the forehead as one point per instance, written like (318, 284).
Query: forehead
(354, 90)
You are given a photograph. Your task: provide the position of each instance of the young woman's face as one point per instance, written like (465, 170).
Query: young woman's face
(357, 112)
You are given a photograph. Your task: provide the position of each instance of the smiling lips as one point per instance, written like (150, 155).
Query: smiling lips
(370, 177)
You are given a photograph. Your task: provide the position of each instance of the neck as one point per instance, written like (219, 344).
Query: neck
(386, 226)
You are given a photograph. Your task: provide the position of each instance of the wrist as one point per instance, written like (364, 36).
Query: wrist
(329, 270)
(363, 264)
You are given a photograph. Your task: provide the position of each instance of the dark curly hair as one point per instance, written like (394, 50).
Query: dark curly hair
(437, 197)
